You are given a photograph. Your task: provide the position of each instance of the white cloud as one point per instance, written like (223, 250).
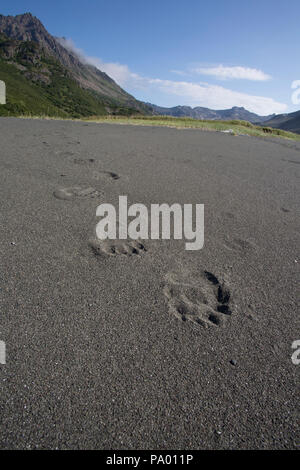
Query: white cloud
(70, 46)
(238, 72)
(120, 73)
(217, 97)
(188, 93)
(179, 72)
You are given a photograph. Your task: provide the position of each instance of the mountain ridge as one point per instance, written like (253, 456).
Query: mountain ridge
(286, 122)
(199, 112)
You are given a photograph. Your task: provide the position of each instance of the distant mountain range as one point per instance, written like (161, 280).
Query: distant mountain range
(206, 113)
(42, 76)
(287, 122)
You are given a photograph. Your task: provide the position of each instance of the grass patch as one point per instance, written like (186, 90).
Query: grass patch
(237, 127)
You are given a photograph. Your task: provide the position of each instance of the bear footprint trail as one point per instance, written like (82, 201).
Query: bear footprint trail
(203, 300)
(117, 247)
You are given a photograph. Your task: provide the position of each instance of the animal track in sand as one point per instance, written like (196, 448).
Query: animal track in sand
(117, 247)
(108, 175)
(203, 300)
(238, 244)
(76, 192)
(229, 215)
(84, 161)
(296, 162)
(64, 153)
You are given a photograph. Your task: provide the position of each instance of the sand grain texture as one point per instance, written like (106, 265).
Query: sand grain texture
(123, 347)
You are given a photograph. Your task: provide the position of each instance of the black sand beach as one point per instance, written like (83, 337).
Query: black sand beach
(98, 354)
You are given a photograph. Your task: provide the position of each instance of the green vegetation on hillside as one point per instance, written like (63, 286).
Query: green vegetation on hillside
(36, 84)
(62, 97)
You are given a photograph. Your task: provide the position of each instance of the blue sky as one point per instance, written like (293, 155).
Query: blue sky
(215, 54)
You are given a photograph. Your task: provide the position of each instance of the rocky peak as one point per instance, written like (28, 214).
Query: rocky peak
(24, 27)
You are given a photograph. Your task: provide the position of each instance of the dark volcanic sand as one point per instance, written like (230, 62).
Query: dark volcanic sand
(97, 354)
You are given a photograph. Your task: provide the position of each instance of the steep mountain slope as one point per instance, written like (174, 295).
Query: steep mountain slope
(286, 122)
(35, 60)
(206, 113)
